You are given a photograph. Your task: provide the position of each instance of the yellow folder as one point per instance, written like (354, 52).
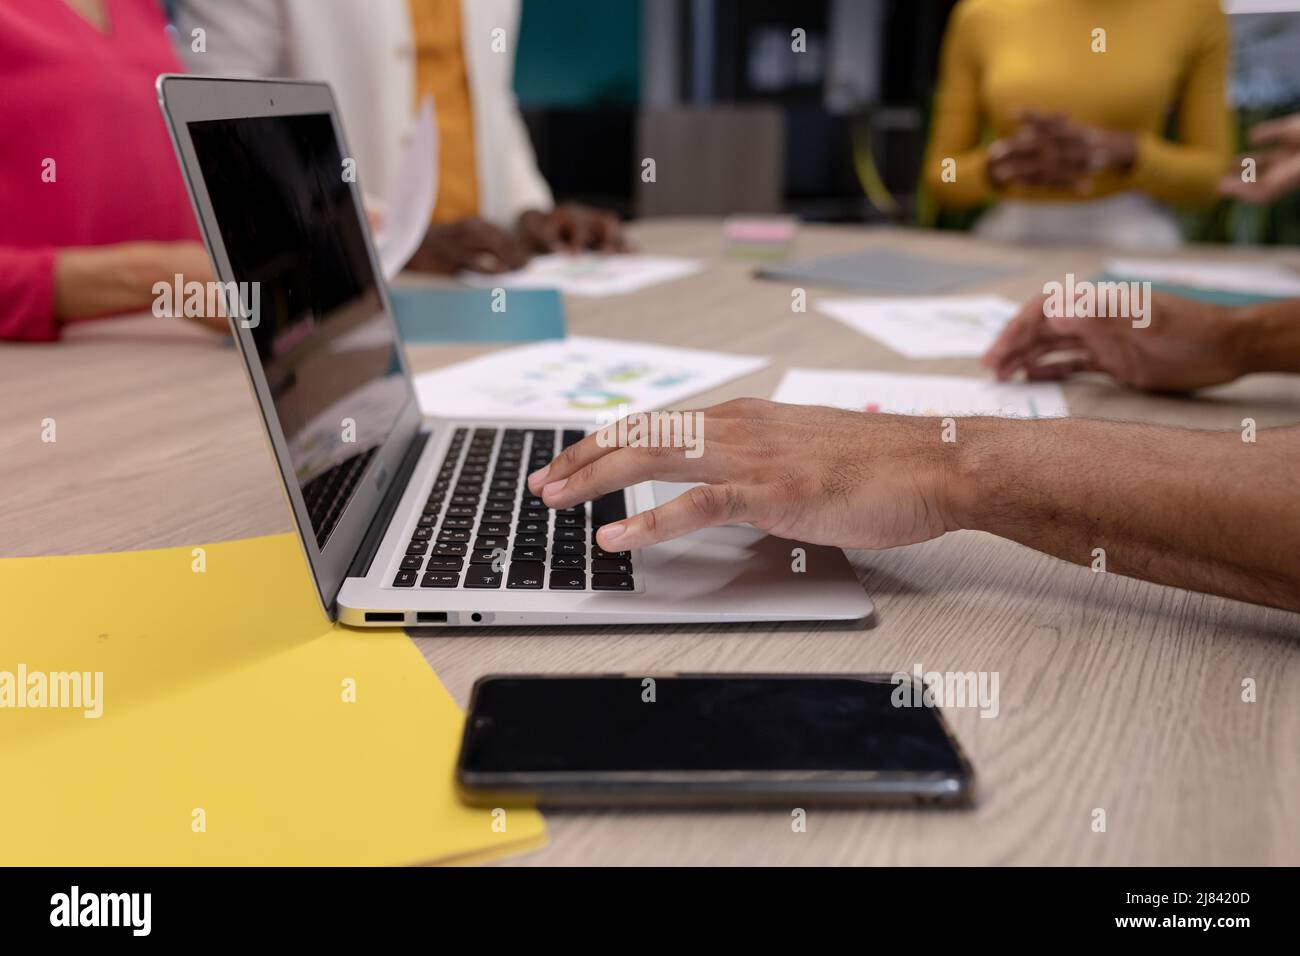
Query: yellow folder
(235, 725)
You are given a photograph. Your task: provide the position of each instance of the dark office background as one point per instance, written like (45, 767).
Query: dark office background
(589, 70)
(709, 88)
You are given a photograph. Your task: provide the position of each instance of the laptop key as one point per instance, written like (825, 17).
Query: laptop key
(490, 541)
(482, 576)
(412, 562)
(526, 574)
(611, 566)
(531, 527)
(444, 550)
(530, 540)
(611, 582)
(568, 562)
(570, 547)
(405, 579)
(417, 547)
(462, 511)
(440, 579)
(458, 522)
(570, 534)
(568, 581)
(445, 564)
(487, 555)
(528, 554)
(569, 521)
(452, 535)
(608, 508)
(598, 552)
(494, 529)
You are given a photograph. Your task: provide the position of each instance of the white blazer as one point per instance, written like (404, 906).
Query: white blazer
(365, 49)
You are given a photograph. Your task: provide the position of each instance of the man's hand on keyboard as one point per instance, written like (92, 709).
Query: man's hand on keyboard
(819, 475)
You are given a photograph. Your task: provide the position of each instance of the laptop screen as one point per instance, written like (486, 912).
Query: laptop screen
(292, 232)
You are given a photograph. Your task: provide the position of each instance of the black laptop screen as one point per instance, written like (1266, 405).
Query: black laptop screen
(279, 188)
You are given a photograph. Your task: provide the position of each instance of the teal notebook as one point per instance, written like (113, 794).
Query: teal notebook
(1196, 293)
(467, 315)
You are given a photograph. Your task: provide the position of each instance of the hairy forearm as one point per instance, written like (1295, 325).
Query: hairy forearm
(1200, 510)
(1267, 336)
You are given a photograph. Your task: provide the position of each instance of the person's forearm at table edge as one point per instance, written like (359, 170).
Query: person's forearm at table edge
(1200, 510)
(1268, 336)
(107, 280)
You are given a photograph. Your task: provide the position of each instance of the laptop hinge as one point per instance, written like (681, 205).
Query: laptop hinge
(365, 555)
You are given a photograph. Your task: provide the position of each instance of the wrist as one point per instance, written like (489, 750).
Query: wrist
(1110, 150)
(972, 490)
(1122, 151)
(993, 166)
(103, 280)
(1264, 338)
(141, 265)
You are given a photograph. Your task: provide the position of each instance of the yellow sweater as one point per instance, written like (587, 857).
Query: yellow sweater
(1161, 57)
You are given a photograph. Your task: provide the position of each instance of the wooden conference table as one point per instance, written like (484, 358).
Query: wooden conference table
(1115, 694)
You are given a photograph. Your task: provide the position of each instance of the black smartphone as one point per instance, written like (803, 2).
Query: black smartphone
(706, 740)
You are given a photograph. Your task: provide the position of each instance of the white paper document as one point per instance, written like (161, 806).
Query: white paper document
(920, 328)
(930, 395)
(408, 207)
(590, 274)
(576, 379)
(1252, 279)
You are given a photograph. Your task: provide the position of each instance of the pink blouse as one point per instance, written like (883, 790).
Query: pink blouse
(85, 159)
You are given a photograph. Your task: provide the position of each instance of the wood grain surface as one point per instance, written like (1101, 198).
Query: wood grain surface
(1115, 694)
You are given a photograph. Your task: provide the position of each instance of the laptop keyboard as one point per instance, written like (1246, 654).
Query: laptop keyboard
(482, 528)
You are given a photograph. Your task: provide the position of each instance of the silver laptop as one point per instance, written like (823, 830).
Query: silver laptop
(408, 519)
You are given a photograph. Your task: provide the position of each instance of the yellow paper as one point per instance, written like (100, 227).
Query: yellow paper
(238, 726)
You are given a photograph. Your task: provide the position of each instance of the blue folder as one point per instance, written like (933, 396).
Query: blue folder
(1196, 293)
(467, 315)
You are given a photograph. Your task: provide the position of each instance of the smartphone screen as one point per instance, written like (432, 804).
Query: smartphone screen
(590, 726)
